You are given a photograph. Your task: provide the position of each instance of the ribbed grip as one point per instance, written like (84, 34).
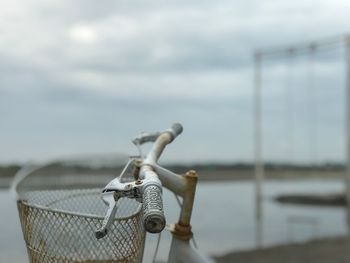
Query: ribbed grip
(153, 215)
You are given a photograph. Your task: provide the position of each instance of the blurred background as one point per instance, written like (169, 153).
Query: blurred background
(259, 86)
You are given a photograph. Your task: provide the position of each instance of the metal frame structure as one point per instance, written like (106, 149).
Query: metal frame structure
(151, 175)
(148, 175)
(259, 56)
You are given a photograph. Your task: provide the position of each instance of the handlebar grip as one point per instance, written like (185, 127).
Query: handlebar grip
(175, 130)
(153, 214)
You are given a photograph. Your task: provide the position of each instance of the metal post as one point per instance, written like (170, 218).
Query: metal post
(347, 116)
(259, 166)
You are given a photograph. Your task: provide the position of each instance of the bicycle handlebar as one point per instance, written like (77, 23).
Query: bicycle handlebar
(149, 187)
(153, 214)
(175, 130)
(144, 137)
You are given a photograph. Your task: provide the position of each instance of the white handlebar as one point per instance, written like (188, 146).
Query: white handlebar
(153, 214)
(149, 187)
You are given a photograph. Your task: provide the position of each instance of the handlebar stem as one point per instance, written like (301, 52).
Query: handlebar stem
(191, 178)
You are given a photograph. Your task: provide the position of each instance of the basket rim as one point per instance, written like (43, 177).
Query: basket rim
(43, 254)
(86, 215)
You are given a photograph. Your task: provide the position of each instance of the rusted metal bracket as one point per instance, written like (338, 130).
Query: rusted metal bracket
(181, 232)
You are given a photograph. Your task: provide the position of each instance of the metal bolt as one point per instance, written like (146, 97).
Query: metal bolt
(191, 173)
(137, 162)
(138, 182)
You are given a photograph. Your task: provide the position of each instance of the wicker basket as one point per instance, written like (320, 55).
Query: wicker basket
(59, 226)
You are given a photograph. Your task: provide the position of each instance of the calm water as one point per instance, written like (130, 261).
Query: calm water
(222, 218)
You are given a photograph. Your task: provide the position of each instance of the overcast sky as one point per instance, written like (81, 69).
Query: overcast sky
(87, 76)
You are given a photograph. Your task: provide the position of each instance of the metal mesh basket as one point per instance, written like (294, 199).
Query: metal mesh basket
(59, 226)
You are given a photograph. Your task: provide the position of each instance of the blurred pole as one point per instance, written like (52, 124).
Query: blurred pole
(347, 115)
(259, 166)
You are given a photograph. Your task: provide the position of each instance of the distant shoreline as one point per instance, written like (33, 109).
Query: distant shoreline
(241, 175)
(5, 182)
(207, 175)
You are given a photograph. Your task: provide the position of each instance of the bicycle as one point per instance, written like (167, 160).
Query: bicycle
(86, 230)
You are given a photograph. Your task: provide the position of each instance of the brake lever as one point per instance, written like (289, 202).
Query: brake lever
(110, 196)
(115, 190)
(110, 199)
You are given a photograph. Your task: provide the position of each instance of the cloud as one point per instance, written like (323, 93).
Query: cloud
(79, 74)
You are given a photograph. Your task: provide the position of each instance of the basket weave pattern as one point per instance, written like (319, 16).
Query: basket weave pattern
(60, 225)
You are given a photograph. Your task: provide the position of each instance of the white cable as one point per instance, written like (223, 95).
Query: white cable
(140, 150)
(125, 168)
(157, 247)
(178, 200)
(194, 242)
